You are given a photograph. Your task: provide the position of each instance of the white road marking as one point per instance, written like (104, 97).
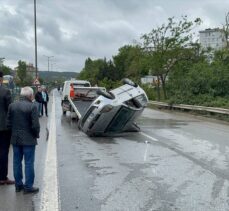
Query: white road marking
(149, 137)
(146, 152)
(50, 195)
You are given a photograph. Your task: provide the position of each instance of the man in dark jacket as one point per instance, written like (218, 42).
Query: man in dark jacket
(23, 121)
(39, 100)
(5, 100)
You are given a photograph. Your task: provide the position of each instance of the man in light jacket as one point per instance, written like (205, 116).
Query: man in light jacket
(45, 101)
(23, 121)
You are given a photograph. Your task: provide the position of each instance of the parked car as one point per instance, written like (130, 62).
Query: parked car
(115, 111)
(8, 81)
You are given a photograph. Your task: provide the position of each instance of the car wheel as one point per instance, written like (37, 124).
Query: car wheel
(129, 82)
(105, 94)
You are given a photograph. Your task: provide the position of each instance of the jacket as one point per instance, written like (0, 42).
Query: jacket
(5, 100)
(23, 121)
(47, 96)
(38, 97)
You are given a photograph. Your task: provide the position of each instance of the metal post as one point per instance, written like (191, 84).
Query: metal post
(48, 64)
(35, 33)
(1, 60)
(1, 63)
(48, 57)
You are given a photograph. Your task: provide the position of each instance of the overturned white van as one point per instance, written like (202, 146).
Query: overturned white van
(115, 111)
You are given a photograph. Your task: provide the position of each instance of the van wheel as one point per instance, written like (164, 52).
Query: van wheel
(129, 82)
(105, 94)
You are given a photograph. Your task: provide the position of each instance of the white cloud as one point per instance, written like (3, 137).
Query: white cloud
(73, 30)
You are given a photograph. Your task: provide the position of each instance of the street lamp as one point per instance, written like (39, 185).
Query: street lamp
(35, 35)
(48, 57)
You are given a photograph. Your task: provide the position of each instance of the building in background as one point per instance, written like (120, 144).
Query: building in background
(30, 70)
(213, 38)
(148, 79)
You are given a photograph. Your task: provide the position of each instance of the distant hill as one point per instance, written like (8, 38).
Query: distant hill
(52, 75)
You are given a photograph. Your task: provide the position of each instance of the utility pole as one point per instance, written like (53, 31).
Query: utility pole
(52, 64)
(227, 29)
(35, 35)
(1, 60)
(48, 57)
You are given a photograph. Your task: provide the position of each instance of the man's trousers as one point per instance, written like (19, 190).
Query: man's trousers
(4, 152)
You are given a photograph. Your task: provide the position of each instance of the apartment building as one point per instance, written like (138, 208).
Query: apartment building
(213, 38)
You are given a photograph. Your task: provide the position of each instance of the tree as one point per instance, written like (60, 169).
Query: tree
(226, 29)
(129, 62)
(97, 70)
(21, 72)
(6, 70)
(222, 56)
(90, 70)
(166, 45)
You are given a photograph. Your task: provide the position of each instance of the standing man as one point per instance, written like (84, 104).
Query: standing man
(39, 99)
(45, 100)
(5, 100)
(23, 121)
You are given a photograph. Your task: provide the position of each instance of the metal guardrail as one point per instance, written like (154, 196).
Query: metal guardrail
(191, 107)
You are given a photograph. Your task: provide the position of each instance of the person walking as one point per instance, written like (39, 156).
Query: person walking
(39, 100)
(45, 100)
(23, 121)
(5, 100)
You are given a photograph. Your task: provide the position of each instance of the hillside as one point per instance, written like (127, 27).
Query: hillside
(53, 76)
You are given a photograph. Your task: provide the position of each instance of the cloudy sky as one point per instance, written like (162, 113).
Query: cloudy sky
(73, 30)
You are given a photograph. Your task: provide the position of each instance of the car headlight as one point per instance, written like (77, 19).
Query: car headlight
(106, 108)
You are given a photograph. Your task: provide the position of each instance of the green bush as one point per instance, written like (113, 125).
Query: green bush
(150, 91)
(109, 84)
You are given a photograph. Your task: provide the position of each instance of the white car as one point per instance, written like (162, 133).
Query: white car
(115, 112)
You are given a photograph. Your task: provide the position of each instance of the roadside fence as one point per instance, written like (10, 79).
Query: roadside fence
(190, 107)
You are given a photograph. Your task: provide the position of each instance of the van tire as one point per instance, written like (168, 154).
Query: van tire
(129, 82)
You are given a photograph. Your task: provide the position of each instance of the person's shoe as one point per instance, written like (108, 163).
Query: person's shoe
(31, 190)
(19, 188)
(2, 182)
(7, 182)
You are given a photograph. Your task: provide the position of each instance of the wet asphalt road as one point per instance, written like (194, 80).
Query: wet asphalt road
(177, 162)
